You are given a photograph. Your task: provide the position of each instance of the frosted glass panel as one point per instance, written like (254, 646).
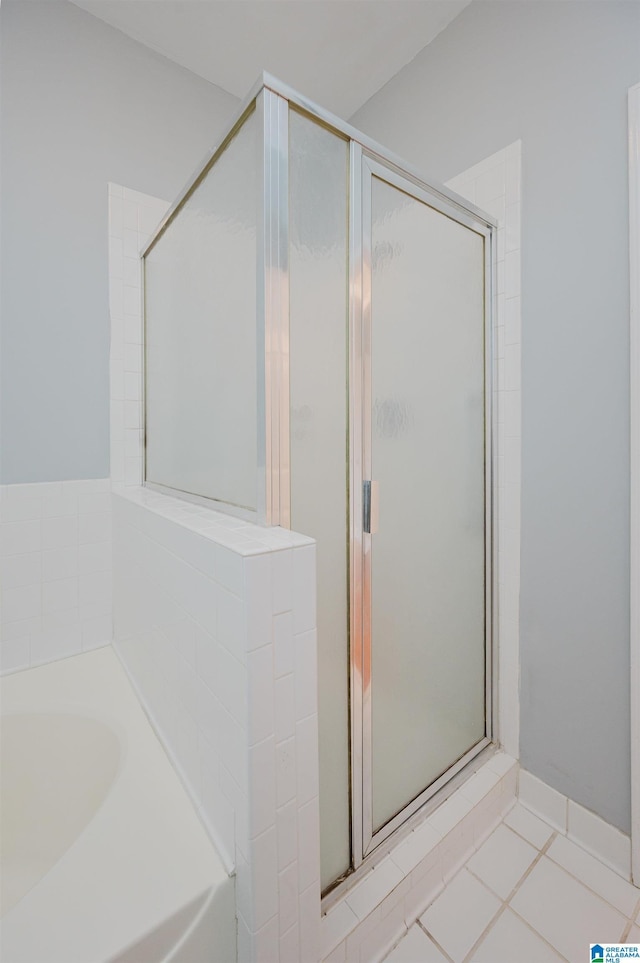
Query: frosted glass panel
(428, 557)
(319, 416)
(200, 306)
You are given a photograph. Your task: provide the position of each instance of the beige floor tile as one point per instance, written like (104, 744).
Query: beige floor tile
(634, 935)
(534, 830)
(416, 947)
(502, 860)
(564, 912)
(460, 914)
(509, 937)
(594, 874)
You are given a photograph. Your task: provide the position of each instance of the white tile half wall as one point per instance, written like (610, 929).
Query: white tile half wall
(55, 570)
(214, 620)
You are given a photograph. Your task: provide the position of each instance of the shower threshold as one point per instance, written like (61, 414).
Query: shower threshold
(448, 826)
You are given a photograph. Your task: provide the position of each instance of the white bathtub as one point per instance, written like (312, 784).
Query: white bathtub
(103, 857)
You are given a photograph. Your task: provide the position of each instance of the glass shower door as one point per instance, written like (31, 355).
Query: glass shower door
(424, 541)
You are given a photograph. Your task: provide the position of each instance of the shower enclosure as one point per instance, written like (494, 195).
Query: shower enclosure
(318, 356)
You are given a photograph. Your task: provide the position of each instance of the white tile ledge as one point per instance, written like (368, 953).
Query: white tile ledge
(243, 537)
(431, 840)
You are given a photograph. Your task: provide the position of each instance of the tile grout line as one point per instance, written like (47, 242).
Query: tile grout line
(627, 928)
(572, 839)
(541, 852)
(587, 885)
(395, 945)
(469, 957)
(558, 833)
(625, 931)
(433, 939)
(539, 935)
(517, 831)
(486, 885)
(506, 903)
(491, 922)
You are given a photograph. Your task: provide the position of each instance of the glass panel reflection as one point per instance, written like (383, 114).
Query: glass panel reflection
(200, 307)
(428, 557)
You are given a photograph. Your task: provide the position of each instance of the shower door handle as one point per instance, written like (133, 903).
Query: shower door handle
(370, 507)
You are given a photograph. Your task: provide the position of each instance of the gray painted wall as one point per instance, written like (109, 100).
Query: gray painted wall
(555, 75)
(82, 104)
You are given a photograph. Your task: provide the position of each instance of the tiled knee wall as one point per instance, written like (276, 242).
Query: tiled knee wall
(214, 619)
(55, 558)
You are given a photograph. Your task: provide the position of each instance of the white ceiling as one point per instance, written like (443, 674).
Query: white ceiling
(337, 52)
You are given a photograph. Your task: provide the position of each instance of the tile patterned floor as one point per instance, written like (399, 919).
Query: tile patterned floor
(528, 895)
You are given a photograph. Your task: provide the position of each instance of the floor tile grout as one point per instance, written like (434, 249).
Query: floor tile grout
(421, 926)
(586, 886)
(539, 935)
(519, 834)
(626, 931)
(542, 852)
(505, 902)
(590, 888)
(485, 932)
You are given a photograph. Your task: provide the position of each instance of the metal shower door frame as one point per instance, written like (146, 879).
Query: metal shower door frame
(366, 164)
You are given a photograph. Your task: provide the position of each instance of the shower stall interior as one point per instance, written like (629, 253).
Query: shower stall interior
(318, 356)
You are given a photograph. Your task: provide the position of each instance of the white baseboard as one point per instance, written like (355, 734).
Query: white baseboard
(607, 843)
